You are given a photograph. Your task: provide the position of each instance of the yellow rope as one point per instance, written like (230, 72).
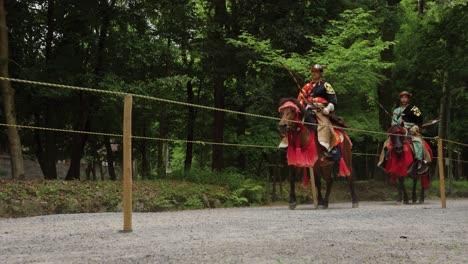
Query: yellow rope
(193, 105)
(172, 140)
(365, 154)
(136, 96)
(61, 130)
(204, 142)
(454, 142)
(136, 137)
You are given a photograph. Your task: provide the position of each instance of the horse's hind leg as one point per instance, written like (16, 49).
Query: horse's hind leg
(318, 185)
(329, 181)
(352, 191)
(292, 191)
(413, 195)
(421, 197)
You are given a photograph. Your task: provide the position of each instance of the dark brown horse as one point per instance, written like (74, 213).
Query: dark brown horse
(400, 164)
(300, 138)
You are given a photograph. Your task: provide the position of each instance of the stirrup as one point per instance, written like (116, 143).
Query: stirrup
(422, 167)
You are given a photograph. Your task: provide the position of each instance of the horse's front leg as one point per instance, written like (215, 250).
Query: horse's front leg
(326, 172)
(413, 195)
(402, 190)
(292, 191)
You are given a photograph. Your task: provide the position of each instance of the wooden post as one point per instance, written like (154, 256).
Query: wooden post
(314, 189)
(440, 159)
(127, 164)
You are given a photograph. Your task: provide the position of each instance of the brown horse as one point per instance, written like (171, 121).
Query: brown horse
(303, 139)
(400, 164)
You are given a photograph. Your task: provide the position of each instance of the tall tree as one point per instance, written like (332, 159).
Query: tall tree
(216, 38)
(85, 99)
(8, 94)
(47, 154)
(385, 90)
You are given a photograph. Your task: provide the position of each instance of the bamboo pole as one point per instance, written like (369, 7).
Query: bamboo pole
(440, 159)
(314, 189)
(127, 164)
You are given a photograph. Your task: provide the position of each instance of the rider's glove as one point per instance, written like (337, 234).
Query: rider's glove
(330, 107)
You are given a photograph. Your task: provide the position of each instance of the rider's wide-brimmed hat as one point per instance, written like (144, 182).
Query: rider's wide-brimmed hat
(317, 67)
(406, 93)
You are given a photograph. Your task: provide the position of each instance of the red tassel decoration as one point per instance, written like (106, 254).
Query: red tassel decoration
(343, 171)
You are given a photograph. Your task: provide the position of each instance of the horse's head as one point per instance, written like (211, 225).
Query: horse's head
(397, 137)
(290, 111)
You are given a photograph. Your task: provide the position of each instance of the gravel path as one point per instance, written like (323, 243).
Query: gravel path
(377, 232)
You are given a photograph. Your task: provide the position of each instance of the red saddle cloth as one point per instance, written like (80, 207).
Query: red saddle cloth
(301, 157)
(398, 166)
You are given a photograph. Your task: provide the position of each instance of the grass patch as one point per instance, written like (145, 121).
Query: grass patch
(30, 198)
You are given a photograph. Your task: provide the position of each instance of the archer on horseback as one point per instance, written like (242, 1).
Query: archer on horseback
(320, 97)
(410, 117)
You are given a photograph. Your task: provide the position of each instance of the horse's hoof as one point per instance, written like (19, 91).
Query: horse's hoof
(421, 202)
(405, 202)
(355, 205)
(292, 206)
(322, 207)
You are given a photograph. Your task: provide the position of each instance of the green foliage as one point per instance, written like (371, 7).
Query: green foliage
(430, 46)
(55, 197)
(350, 48)
(232, 180)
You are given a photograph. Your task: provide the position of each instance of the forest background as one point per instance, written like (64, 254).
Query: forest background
(230, 54)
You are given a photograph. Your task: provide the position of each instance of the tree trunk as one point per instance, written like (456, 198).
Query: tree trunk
(421, 6)
(389, 29)
(50, 29)
(8, 94)
(218, 153)
(110, 158)
(190, 129)
(94, 169)
(79, 140)
(241, 159)
(162, 145)
(101, 170)
(47, 155)
(50, 147)
(217, 38)
(145, 167)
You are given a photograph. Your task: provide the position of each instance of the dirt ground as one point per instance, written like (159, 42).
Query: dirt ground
(376, 232)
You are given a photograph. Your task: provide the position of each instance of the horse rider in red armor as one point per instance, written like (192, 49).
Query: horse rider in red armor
(319, 96)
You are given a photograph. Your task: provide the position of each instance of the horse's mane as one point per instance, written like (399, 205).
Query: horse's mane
(296, 102)
(396, 129)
